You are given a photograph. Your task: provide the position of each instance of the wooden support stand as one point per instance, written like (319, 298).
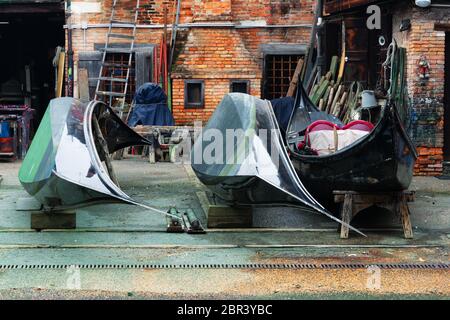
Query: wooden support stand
(53, 220)
(222, 216)
(355, 202)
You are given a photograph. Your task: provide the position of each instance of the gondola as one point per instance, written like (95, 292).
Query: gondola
(383, 160)
(68, 164)
(240, 155)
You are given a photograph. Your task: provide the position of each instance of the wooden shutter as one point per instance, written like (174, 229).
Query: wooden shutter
(91, 61)
(144, 66)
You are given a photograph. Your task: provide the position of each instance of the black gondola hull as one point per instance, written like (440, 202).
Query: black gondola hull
(382, 161)
(246, 191)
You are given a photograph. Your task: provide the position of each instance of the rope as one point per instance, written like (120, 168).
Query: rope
(157, 210)
(388, 64)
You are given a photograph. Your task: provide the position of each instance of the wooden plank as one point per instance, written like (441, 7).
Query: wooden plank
(33, 7)
(330, 100)
(335, 6)
(295, 79)
(60, 80)
(220, 216)
(321, 104)
(442, 27)
(347, 213)
(334, 67)
(54, 220)
(336, 99)
(405, 216)
(83, 84)
(359, 197)
(326, 96)
(151, 154)
(320, 92)
(343, 55)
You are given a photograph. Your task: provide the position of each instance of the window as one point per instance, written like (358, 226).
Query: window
(278, 73)
(194, 94)
(242, 86)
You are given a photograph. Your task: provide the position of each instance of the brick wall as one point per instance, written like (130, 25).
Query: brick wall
(215, 55)
(427, 97)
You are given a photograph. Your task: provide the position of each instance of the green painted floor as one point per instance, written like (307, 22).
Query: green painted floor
(122, 234)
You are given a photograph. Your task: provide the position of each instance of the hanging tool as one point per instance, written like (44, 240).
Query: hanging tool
(174, 33)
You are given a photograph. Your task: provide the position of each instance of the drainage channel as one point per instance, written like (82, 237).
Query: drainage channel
(328, 266)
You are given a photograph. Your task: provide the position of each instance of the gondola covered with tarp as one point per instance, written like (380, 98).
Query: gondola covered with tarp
(241, 157)
(69, 163)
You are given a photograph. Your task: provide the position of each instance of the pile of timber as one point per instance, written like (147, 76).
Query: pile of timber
(331, 95)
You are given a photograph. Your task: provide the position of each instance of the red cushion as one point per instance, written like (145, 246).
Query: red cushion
(320, 125)
(359, 125)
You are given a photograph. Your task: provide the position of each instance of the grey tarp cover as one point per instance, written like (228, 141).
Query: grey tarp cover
(260, 153)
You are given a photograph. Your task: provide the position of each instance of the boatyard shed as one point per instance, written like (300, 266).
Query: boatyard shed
(425, 33)
(222, 46)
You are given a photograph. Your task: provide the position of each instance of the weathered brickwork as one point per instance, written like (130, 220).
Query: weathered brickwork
(216, 56)
(427, 97)
(210, 53)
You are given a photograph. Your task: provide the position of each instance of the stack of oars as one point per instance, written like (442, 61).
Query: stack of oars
(330, 94)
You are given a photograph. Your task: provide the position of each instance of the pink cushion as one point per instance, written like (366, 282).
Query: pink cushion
(359, 125)
(321, 125)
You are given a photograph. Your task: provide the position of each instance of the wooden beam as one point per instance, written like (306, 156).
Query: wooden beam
(54, 220)
(220, 216)
(295, 79)
(336, 6)
(83, 84)
(442, 27)
(60, 79)
(33, 8)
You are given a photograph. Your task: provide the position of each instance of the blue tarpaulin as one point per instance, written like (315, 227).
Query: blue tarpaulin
(150, 107)
(283, 109)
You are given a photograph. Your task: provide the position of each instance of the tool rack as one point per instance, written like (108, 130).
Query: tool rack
(15, 121)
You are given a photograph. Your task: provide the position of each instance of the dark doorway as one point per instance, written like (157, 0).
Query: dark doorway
(28, 41)
(447, 99)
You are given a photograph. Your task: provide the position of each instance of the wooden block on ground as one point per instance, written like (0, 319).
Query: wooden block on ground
(229, 217)
(53, 220)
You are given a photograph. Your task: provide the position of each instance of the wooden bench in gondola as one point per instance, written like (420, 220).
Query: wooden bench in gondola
(355, 202)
